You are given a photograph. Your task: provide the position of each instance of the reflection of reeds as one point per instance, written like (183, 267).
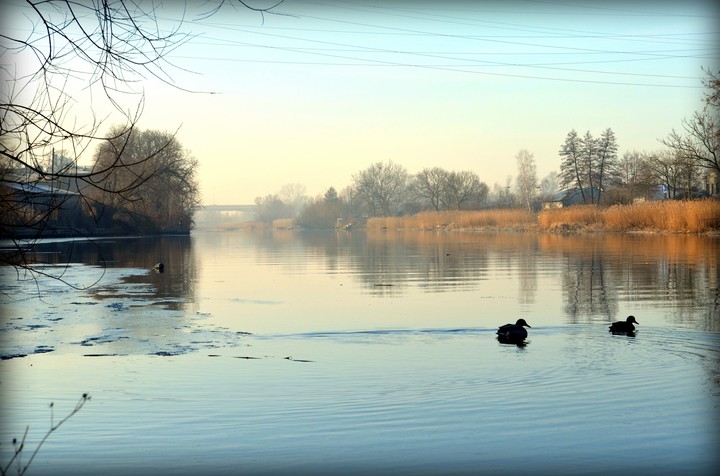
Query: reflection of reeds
(676, 216)
(501, 218)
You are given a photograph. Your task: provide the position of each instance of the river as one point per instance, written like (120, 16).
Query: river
(356, 352)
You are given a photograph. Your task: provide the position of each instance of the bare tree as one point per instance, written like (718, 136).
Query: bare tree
(271, 207)
(700, 141)
(294, 195)
(503, 196)
(429, 187)
(155, 190)
(381, 188)
(526, 182)
(464, 190)
(672, 170)
(75, 54)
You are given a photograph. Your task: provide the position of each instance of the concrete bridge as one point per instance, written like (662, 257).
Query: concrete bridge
(214, 215)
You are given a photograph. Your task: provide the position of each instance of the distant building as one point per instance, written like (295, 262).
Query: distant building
(573, 196)
(712, 183)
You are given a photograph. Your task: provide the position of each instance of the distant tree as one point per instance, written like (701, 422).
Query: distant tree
(502, 196)
(526, 182)
(606, 160)
(322, 211)
(293, 195)
(672, 170)
(381, 188)
(464, 190)
(588, 163)
(271, 207)
(429, 187)
(331, 195)
(549, 186)
(58, 57)
(149, 181)
(573, 173)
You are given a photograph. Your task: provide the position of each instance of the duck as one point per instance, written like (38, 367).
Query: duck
(624, 326)
(514, 332)
(159, 267)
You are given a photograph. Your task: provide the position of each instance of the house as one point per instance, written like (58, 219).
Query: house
(29, 209)
(712, 183)
(573, 196)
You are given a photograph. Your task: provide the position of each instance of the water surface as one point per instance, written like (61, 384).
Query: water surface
(366, 353)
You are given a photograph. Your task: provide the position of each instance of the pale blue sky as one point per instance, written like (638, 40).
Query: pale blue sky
(330, 87)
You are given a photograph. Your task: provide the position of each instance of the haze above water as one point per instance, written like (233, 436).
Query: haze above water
(373, 352)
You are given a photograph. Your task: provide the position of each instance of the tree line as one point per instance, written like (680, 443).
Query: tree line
(688, 167)
(140, 182)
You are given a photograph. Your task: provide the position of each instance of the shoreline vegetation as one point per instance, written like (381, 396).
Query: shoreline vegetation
(669, 216)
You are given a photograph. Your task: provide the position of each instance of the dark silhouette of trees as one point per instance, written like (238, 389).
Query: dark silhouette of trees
(155, 189)
(67, 61)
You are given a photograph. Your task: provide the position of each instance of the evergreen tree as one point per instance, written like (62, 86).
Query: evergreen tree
(572, 173)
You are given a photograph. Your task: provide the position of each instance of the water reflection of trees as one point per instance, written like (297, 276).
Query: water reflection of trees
(600, 271)
(174, 287)
(597, 272)
(387, 262)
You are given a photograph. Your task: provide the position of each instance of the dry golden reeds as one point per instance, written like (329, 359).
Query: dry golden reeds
(675, 216)
(579, 217)
(499, 218)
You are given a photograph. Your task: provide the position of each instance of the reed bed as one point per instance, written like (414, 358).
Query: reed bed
(500, 218)
(673, 216)
(579, 217)
(691, 216)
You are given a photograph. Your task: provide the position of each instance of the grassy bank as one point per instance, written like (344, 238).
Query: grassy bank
(674, 216)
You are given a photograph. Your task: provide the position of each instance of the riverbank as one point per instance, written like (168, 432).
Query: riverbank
(670, 216)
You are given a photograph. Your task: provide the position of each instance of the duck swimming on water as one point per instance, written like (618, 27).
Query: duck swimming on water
(513, 332)
(624, 326)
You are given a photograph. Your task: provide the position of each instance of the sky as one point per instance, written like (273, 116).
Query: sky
(319, 90)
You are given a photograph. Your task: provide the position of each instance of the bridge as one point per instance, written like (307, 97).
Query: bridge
(229, 208)
(214, 215)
